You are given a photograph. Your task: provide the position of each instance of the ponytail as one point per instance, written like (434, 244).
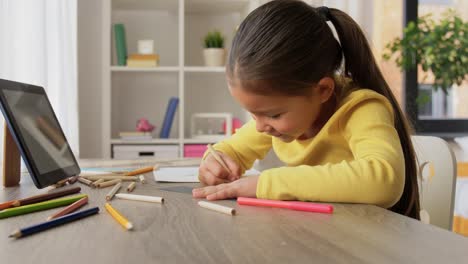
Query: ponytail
(360, 66)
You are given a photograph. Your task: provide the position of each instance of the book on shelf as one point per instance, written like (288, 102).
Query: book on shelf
(135, 135)
(120, 44)
(143, 60)
(169, 117)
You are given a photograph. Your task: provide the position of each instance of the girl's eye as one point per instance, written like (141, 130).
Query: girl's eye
(275, 116)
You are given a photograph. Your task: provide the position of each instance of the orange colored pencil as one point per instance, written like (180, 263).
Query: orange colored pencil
(9, 204)
(72, 207)
(140, 171)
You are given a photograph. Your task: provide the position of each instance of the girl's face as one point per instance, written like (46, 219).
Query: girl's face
(285, 117)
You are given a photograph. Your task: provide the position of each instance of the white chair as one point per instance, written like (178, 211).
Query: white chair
(438, 170)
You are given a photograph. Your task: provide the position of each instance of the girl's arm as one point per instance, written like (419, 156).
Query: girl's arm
(375, 176)
(245, 146)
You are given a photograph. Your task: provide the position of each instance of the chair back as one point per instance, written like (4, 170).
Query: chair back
(437, 170)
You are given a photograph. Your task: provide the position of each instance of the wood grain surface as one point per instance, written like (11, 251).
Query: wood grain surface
(180, 231)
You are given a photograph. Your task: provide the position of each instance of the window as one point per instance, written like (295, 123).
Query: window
(441, 115)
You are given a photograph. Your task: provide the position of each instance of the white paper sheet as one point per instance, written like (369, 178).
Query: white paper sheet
(185, 174)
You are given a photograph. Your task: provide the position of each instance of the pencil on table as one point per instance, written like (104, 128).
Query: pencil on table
(9, 204)
(131, 186)
(48, 196)
(72, 180)
(119, 217)
(108, 183)
(106, 178)
(86, 181)
(71, 208)
(97, 182)
(142, 179)
(20, 210)
(141, 170)
(53, 223)
(60, 183)
(217, 207)
(218, 158)
(141, 198)
(114, 190)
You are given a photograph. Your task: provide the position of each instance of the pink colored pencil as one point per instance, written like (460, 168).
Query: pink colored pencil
(294, 205)
(72, 207)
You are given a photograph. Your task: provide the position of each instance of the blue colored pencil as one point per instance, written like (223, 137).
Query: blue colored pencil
(53, 223)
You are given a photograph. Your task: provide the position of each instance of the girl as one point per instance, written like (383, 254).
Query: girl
(341, 134)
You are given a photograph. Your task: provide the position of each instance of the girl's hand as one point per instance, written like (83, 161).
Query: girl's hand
(245, 187)
(212, 173)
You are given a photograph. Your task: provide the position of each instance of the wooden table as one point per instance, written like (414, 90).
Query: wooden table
(179, 231)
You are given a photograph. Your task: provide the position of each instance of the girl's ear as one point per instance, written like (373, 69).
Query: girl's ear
(326, 88)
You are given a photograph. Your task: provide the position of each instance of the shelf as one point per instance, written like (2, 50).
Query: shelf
(215, 6)
(154, 69)
(153, 141)
(204, 69)
(169, 5)
(201, 141)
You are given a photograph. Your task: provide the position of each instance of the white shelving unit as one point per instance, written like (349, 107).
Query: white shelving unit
(177, 28)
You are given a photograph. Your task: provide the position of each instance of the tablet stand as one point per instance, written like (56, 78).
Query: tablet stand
(11, 160)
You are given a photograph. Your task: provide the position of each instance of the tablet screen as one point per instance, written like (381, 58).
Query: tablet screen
(40, 131)
(41, 141)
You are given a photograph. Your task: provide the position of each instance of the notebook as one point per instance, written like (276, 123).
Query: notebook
(185, 174)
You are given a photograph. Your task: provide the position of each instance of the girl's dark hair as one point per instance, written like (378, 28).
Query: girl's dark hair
(286, 46)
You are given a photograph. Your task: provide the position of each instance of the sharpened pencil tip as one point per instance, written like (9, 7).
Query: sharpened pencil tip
(129, 226)
(14, 234)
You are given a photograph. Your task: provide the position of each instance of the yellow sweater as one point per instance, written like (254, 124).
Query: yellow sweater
(355, 158)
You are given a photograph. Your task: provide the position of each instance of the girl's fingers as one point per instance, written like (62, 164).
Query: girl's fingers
(209, 178)
(227, 191)
(205, 191)
(232, 165)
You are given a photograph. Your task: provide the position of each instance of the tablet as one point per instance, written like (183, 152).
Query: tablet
(37, 132)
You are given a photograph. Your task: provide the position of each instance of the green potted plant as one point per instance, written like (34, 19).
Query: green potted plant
(214, 52)
(438, 48)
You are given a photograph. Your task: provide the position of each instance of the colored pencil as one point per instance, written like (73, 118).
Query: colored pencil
(9, 204)
(108, 183)
(141, 198)
(40, 206)
(217, 207)
(49, 196)
(38, 198)
(118, 217)
(86, 181)
(106, 178)
(218, 158)
(97, 182)
(53, 223)
(72, 180)
(131, 187)
(141, 171)
(142, 179)
(114, 190)
(293, 205)
(71, 208)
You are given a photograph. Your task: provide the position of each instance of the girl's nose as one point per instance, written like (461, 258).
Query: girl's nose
(262, 127)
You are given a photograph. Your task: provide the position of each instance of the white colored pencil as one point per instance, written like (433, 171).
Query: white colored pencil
(217, 207)
(142, 198)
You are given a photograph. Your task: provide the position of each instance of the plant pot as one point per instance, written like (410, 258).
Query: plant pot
(214, 57)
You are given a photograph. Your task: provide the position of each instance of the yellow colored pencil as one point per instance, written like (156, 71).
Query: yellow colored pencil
(118, 217)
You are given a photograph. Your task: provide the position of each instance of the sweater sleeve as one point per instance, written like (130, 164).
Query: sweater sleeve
(374, 176)
(245, 146)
